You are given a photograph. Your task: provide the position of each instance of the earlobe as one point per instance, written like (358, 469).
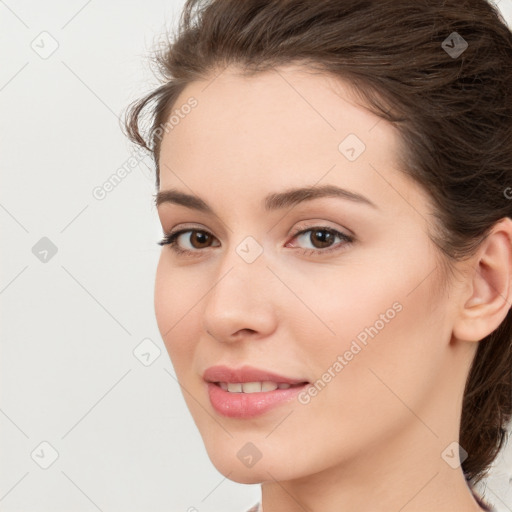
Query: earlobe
(489, 298)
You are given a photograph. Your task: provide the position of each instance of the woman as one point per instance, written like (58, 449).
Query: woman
(334, 288)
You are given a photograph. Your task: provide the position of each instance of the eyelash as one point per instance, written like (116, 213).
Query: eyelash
(171, 240)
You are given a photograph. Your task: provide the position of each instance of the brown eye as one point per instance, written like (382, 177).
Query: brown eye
(201, 238)
(321, 238)
(195, 238)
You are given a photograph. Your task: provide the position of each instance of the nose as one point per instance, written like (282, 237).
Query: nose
(241, 302)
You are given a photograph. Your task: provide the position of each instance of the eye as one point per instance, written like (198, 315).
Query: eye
(322, 239)
(200, 237)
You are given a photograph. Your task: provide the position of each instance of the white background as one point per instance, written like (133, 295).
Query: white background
(69, 376)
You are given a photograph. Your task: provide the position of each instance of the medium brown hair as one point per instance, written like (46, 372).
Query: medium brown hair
(453, 112)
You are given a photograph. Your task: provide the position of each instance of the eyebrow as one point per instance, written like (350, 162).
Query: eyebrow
(275, 201)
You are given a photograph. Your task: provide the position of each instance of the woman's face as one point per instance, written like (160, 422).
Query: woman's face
(351, 305)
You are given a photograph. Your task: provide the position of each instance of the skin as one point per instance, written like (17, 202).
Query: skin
(372, 439)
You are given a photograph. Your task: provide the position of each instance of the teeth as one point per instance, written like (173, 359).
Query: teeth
(234, 387)
(268, 386)
(252, 387)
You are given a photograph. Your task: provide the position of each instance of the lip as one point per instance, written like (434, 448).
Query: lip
(245, 374)
(248, 405)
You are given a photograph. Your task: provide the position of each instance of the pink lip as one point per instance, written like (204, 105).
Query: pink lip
(247, 405)
(245, 374)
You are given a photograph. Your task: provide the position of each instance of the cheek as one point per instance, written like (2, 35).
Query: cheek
(175, 302)
(388, 341)
(390, 296)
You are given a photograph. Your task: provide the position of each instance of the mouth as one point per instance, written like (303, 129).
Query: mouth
(247, 392)
(248, 375)
(244, 405)
(256, 387)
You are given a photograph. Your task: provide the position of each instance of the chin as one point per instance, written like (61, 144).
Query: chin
(265, 469)
(246, 477)
(233, 469)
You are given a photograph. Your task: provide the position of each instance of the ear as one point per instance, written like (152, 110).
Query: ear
(487, 298)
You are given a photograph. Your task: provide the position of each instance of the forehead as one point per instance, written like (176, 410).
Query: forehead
(289, 108)
(277, 129)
